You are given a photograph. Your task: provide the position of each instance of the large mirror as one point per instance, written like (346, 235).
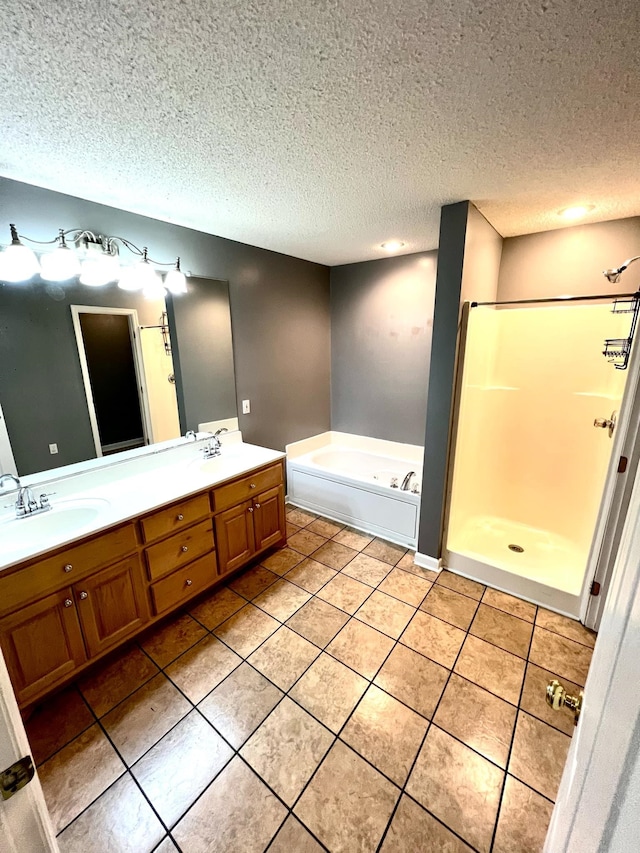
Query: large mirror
(69, 385)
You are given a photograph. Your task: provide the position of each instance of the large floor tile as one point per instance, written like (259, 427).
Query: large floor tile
(450, 606)
(57, 721)
(141, 720)
(434, 638)
(361, 647)
(324, 527)
(538, 755)
(534, 699)
(385, 613)
(330, 691)
(238, 705)
(170, 640)
(78, 774)
(570, 628)
(120, 821)
(237, 812)
(413, 679)
(407, 564)
(367, 569)
(566, 657)
(282, 561)
(318, 621)
(385, 551)
(458, 786)
(253, 582)
(386, 733)
(115, 679)
(306, 542)
(478, 718)
(287, 748)
(348, 803)
(413, 829)
(405, 586)
(294, 838)
(523, 821)
(456, 582)
(503, 630)
(310, 575)
(345, 592)
(509, 604)
(334, 555)
(353, 538)
(282, 599)
(299, 517)
(202, 668)
(247, 629)
(494, 669)
(181, 765)
(215, 609)
(284, 657)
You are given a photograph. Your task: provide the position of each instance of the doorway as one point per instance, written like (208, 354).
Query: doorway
(111, 362)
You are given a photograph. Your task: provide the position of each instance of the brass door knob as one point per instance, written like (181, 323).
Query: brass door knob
(557, 698)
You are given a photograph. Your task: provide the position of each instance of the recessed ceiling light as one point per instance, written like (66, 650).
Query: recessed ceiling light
(392, 245)
(576, 212)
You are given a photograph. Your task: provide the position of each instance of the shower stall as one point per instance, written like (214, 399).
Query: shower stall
(536, 403)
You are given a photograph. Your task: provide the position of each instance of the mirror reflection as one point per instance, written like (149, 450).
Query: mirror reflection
(91, 371)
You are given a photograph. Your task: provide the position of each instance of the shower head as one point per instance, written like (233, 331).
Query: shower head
(613, 276)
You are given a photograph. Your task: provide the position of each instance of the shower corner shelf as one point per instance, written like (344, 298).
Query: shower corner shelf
(618, 350)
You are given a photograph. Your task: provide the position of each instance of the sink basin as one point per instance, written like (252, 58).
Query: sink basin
(64, 519)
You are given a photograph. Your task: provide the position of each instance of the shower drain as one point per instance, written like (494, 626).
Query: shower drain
(517, 548)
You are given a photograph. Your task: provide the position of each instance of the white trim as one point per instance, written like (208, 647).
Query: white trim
(136, 347)
(7, 460)
(427, 562)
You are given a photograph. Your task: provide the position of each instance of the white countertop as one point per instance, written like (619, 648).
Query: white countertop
(119, 491)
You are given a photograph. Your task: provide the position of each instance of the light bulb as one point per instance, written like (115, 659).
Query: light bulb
(175, 280)
(17, 262)
(154, 290)
(392, 245)
(98, 270)
(140, 276)
(61, 264)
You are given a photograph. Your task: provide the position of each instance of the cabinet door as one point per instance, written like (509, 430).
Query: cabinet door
(111, 605)
(234, 537)
(42, 644)
(268, 518)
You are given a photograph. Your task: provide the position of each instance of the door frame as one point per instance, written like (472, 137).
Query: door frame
(134, 336)
(7, 459)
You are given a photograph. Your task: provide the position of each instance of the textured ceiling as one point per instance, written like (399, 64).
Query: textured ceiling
(321, 129)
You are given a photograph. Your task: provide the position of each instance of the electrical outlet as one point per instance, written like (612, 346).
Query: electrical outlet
(53, 449)
(246, 407)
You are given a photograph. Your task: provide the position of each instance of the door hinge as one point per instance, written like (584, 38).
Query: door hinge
(622, 464)
(595, 588)
(16, 777)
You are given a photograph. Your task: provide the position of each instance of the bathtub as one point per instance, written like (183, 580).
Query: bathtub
(357, 480)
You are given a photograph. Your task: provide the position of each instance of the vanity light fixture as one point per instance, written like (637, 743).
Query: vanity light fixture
(392, 245)
(94, 258)
(576, 212)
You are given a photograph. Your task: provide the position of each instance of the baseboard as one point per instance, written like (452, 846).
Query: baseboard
(427, 562)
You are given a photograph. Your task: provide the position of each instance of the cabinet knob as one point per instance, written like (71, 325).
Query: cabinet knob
(250, 509)
(257, 506)
(252, 485)
(188, 582)
(68, 602)
(180, 517)
(68, 568)
(84, 595)
(184, 549)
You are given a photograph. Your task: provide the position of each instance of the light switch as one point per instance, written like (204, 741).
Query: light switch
(246, 407)
(53, 449)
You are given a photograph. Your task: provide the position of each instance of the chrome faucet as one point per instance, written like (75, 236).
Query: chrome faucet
(27, 504)
(407, 481)
(214, 447)
(13, 477)
(190, 435)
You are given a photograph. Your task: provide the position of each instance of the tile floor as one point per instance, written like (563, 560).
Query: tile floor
(335, 697)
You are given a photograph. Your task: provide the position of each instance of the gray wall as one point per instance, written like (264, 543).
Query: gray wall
(381, 318)
(279, 308)
(569, 261)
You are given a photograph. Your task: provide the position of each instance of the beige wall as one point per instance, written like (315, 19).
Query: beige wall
(482, 254)
(569, 261)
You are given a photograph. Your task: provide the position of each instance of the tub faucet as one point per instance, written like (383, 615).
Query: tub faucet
(407, 481)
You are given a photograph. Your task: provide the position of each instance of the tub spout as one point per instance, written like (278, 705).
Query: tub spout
(407, 481)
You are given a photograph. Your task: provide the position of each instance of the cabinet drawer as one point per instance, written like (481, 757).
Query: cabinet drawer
(184, 583)
(174, 518)
(63, 568)
(247, 487)
(171, 553)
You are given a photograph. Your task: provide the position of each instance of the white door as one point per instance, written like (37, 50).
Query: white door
(598, 804)
(24, 819)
